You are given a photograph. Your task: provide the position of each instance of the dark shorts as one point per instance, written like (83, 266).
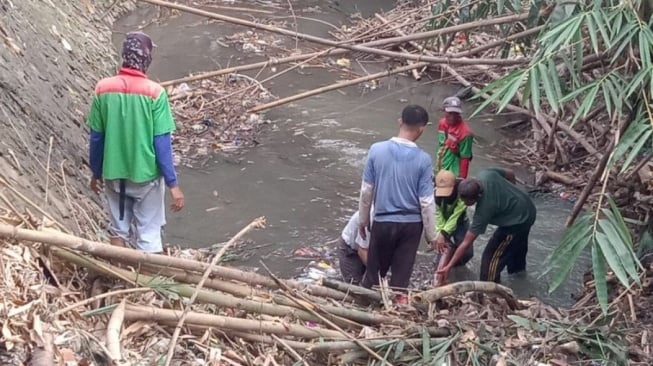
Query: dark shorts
(393, 245)
(456, 238)
(351, 266)
(508, 246)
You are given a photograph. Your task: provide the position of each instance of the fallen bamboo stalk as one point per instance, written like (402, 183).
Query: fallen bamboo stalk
(327, 321)
(138, 257)
(458, 288)
(209, 297)
(363, 317)
(113, 332)
(499, 42)
(540, 119)
(102, 296)
(366, 293)
(330, 346)
(334, 86)
(376, 51)
(232, 288)
(134, 313)
(257, 223)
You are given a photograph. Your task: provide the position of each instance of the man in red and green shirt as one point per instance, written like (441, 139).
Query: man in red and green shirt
(454, 140)
(131, 149)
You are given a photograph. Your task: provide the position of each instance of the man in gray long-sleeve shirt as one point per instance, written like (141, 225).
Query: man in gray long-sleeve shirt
(398, 180)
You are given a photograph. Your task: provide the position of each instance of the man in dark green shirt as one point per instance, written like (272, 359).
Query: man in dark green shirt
(498, 202)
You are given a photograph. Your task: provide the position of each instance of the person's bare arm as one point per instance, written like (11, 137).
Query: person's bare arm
(362, 254)
(460, 251)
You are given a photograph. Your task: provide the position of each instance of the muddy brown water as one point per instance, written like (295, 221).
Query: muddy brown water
(304, 177)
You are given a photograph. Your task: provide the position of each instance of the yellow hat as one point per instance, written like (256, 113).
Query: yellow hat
(445, 182)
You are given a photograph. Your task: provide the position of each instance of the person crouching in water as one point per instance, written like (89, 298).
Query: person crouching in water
(352, 251)
(451, 222)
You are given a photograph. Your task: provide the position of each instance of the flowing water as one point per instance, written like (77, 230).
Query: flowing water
(304, 177)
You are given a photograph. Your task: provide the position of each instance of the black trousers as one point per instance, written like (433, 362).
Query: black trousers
(508, 246)
(351, 266)
(393, 245)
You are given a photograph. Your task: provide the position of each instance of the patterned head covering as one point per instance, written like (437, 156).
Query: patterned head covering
(137, 51)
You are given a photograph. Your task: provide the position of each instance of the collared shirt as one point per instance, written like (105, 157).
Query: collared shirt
(400, 174)
(130, 111)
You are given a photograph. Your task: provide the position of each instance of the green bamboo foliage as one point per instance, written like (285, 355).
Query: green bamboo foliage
(619, 33)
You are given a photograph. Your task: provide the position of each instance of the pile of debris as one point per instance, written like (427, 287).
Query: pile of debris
(211, 116)
(82, 302)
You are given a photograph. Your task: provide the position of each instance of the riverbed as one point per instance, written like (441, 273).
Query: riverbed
(304, 176)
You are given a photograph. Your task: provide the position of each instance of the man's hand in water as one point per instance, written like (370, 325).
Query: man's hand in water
(440, 244)
(444, 273)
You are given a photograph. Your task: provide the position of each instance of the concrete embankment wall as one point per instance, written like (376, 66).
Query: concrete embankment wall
(52, 53)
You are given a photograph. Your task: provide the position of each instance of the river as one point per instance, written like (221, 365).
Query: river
(304, 176)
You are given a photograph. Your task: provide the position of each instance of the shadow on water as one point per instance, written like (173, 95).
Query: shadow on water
(305, 175)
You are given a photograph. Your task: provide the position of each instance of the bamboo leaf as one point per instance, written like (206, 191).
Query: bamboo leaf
(551, 95)
(500, 6)
(534, 88)
(611, 257)
(629, 138)
(426, 345)
(599, 268)
(591, 30)
(600, 20)
(637, 148)
(623, 251)
(399, 349)
(527, 323)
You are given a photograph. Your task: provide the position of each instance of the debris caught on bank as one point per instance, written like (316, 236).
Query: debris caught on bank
(97, 302)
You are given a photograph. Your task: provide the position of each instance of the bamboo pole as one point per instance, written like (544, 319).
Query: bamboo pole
(257, 223)
(367, 293)
(335, 52)
(135, 313)
(138, 257)
(363, 317)
(337, 85)
(325, 320)
(358, 48)
(209, 297)
(113, 332)
(331, 346)
(543, 120)
(458, 288)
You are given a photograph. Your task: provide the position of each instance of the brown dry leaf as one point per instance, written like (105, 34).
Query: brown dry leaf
(21, 309)
(6, 335)
(37, 331)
